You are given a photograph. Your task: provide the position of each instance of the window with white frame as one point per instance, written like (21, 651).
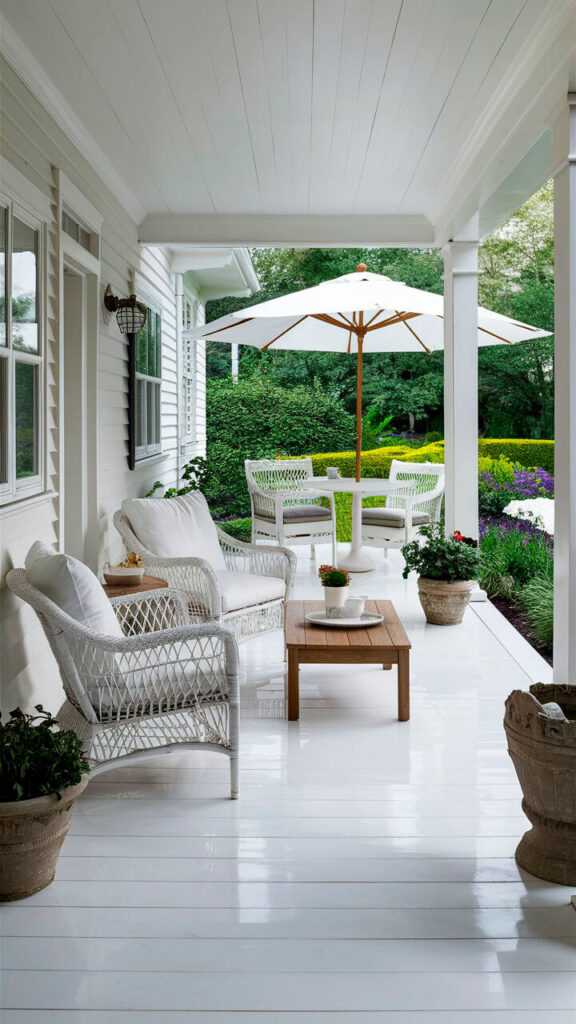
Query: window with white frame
(148, 387)
(21, 355)
(189, 316)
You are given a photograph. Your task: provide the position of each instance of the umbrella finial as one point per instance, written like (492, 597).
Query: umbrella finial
(361, 267)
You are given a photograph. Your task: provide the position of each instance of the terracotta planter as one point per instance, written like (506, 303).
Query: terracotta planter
(335, 597)
(543, 750)
(444, 603)
(31, 834)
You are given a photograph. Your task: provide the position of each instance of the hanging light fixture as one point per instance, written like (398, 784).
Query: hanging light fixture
(130, 314)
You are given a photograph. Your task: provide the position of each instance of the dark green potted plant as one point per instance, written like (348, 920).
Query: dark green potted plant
(335, 582)
(447, 569)
(42, 772)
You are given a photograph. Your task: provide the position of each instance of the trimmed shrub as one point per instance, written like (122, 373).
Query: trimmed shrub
(528, 453)
(252, 419)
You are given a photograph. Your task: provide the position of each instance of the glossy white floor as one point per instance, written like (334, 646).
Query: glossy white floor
(365, 875)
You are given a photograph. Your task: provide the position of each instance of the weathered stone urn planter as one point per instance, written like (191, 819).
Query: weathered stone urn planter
(31, 834)
(543, 750)
(444, 603)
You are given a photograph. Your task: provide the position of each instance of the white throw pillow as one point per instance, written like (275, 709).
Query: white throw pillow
(179, 527)
(73, 587)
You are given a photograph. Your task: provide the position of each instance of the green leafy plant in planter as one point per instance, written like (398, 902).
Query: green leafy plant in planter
(335, 581)
(447, 568)
(42, 772)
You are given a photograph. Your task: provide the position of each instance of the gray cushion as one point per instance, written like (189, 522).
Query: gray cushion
(300, 514)
(394, 518)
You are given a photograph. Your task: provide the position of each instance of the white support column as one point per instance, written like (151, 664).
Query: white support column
(461, 382)
(235, 360)
(565, 399)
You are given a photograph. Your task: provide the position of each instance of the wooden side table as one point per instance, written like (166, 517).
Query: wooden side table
(386, 645)
(148, 583)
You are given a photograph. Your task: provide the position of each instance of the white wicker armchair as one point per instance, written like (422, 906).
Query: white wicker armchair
(165, 683)
(249, 597)
(284, 511)
(416, 503)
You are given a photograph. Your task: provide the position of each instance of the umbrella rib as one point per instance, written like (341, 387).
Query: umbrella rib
(345, 319)
(327, 319)
(499, 336)
(398, 318)
(373, 318)
(282, 333)
(402, 320)
(230, 326)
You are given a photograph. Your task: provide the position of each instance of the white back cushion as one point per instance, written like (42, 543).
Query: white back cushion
(73, 587)
(179, 527)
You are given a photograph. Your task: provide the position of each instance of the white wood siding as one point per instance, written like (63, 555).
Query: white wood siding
(32, 142)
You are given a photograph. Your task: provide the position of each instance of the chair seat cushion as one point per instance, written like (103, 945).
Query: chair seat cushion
(243, 590)
(180, 527)
(394, 518)
(300, 514)
(73, 587)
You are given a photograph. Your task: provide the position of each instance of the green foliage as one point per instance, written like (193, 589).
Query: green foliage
(36, 758)
(537, 598)
(195, 474)
(440, 558)
(491, 500)
(254, 418)
(332, 577)
(527, 453)
(240, 529)
(510, 559)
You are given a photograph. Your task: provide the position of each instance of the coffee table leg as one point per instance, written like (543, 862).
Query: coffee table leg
(293, 686)
(403, 686)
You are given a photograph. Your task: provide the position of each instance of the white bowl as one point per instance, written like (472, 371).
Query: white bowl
(119, 576)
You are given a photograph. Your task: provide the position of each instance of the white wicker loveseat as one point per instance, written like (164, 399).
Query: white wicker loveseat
(154, 683)
(282, 510)
(240, 585)
(416, 503)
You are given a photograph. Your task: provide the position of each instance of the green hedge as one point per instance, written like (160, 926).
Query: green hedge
(530, 454)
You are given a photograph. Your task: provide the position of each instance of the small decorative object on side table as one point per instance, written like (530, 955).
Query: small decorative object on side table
(122, 590)
(128, 578)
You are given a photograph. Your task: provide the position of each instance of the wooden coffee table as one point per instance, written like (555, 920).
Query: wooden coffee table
(386, 645)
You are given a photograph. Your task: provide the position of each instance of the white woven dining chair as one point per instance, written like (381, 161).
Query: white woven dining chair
(163, 684)
(416, 502)
(239, 585)
(282, 510)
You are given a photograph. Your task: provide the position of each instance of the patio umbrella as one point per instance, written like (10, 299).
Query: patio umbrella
(357, 313)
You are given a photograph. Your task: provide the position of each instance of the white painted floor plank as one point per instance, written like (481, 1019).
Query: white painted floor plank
(263, 992)
(365, 876)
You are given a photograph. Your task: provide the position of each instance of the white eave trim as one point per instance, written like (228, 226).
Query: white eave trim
(78, 204)
(51, 99)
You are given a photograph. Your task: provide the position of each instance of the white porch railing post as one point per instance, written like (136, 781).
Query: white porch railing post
(461, 381)
(565, 399)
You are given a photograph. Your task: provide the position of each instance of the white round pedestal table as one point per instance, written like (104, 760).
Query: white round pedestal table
(358, 558)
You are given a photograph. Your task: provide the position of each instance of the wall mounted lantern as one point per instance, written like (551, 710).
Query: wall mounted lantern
(130, 314)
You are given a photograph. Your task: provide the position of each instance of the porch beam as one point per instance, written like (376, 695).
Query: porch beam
(565, 399)
(461, 381)
(286, 230)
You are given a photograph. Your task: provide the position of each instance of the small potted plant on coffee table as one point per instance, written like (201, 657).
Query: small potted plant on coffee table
(42, 772)
(447, 569)
(335, 582)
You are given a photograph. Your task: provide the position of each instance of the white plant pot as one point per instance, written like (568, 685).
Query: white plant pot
(335, 597)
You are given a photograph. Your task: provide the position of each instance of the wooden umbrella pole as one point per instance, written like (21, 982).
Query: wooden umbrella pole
(360, 337)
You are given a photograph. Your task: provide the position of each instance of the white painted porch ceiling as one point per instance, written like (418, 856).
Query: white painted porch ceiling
(280, 106)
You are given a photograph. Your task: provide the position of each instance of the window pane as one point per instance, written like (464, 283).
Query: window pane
(140, 414)
(3, 216)
(142, 350)
(4, 377)
(153, 413)
(152, 347)
(26, 403)
(24, 287)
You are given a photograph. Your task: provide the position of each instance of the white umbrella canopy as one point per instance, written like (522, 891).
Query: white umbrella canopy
(355, 314)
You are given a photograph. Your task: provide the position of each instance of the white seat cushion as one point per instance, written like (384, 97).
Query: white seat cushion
(392, 517)
(179, 527)
(134, 691)
(243, 590)
(73, 587)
